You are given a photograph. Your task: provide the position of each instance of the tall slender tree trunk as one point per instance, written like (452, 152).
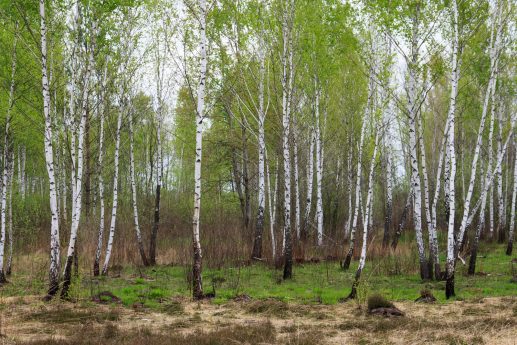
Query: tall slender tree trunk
(100, 233)
(488, 94)
(10, 182)
(319, 167)
(272, 208)
(412, 109)
(78, 181)
(433, 255)
(296, 183)
(159, 163)
(287, 61)
(455, 75)
(366, 118)
(511, 230)
(259, 228)
(310, 180)
(49, 161)
(7, 164)
(109, 247)
(136, 223)
(196, 243)
(499, 181)
(362, 260)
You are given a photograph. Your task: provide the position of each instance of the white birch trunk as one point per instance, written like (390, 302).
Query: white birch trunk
(511, 230)
(319, 167)
(259, 230)
(7, 161)
(200, 113)
(366, 118)
(296, 184)
(272, 209)
(109, 247)
(49, 160)
(310, 179)
(489, 92)
(415, 174)
(100, 233)
(287, 82)
(136, 223)
(10, 182)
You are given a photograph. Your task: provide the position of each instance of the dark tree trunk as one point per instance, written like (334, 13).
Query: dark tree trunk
(67, 278)
(259, 230)
(197, 283)
(154, 231)
(449, 285)
(288, 254)
(245, 179)
(87, 175)
(387, 225)
(346, 263)
(402, 223)
(96, 270)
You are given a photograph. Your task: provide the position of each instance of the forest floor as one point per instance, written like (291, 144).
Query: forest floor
(254, 306)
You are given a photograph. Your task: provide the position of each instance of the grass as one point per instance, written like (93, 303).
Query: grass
(161, 288)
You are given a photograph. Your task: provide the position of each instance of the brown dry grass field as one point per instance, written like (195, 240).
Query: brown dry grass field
(27, 320)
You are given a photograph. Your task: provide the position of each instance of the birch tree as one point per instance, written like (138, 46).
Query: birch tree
(134, 199)
(366, 118)
(114, 207)
(511, 230)
(200, 113)
(362, 260)
(287, 62)
(49, 160)
(77, 184)
(100, 159)
(6, 168)
(259, 229)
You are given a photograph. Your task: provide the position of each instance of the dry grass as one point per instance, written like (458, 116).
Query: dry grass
(487, 321)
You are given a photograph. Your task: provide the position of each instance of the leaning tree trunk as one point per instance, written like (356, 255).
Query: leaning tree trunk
(114, 207)
(362, 260)
(488, 94)
(136, 223)
(49, 162)
(346, 262)
(78, 182)
(196, 243)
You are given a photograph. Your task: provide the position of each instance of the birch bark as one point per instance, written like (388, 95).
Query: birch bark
(7, 161)
(136, 223)
(49, 160)
(114, 207)
(366, 225)
(511, 230)
(259, 229)
(200, 113)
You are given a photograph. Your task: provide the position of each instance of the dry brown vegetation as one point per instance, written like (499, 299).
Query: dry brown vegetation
(25, 320)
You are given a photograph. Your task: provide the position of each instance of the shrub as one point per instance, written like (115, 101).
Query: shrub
(378, 301)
